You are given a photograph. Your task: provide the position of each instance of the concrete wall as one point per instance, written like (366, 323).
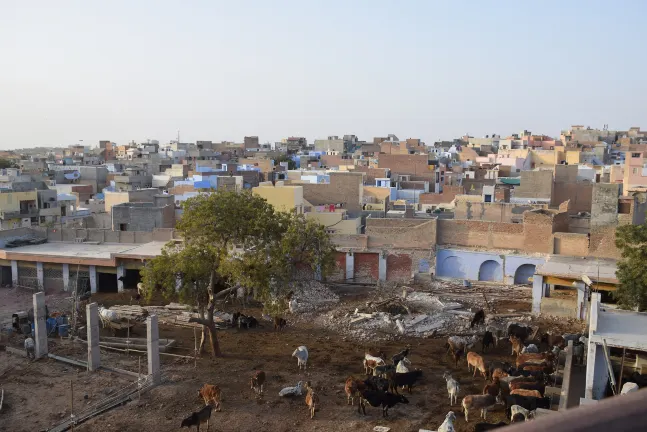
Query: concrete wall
(343, 188)
(604, 207)
(494, 212)
(471, 265)
(142, 217)
(579, 194)
(535, 184)
(109, 236)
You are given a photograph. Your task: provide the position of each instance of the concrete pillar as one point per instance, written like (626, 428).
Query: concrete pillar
(581, 300)
(537, 293)
(597, 374)
(40, 327)
(40, 275)
(66, 277)
(93, 279)
(382, 266)
(121, 272)
(318, 273)
(566, 383)
(94, 352)
(152, 341)
(350, 265)
(14, 273)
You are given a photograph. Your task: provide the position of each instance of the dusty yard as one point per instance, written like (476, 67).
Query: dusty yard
(38, 394)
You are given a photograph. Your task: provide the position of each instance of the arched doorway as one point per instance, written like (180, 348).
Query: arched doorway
(490, 271)
(452, 267)
(523, 274)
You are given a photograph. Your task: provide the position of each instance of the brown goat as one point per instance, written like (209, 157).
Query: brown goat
(517, 345)
(476, 361)
(257, 381)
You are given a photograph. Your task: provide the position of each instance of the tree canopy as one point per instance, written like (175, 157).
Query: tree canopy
(6, 163)
(232, 239)
(632, 242)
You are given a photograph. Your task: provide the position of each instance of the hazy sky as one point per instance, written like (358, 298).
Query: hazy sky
(219, 70)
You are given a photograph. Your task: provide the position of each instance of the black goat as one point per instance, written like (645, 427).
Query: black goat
(406, 379)
(488, 340)
(479, 318)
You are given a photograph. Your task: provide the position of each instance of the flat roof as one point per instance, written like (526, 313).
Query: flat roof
(602, 269)
(621, 328)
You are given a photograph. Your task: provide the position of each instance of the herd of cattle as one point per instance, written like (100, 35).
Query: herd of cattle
(519, 387)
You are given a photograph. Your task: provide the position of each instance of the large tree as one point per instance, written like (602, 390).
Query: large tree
(231, 240)
(632, 242)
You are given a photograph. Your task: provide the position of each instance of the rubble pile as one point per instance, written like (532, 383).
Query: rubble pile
(310, 295)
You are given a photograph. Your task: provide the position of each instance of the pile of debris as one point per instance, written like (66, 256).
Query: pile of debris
(311, 295)
(173, 313)
(419, 314)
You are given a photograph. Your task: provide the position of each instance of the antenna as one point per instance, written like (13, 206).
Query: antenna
(178, 136)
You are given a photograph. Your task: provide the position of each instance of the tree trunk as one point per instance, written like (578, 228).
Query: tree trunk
(208, 322)
(203, 339)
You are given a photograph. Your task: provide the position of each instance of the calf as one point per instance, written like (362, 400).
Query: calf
(452, 388)
(524, 392)
(517, 345)
(479, 318)
(211, 394)
(474, 402)
(482, 427)
(371, 362)
(399, 356)
(529, 403)
(535, 358)
(198, 418)
(312, 400)
(279, 323)
(488, 340)
(377, 384)
(377, 399)
(448, 424)
(257, 381)
(404, 380)
(553, 340)
(352, 388)
(301, 353)
(476, 361)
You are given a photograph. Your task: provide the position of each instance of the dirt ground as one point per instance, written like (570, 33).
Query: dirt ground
(332, 360)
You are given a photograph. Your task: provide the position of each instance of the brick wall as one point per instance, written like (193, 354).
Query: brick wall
(367, 267)
(602, 242)
(535, 184)
(401, 233)
(350, 240)
(398, 267)
(371, 174)
(571, 244)
(495, 212)
(404, 164)
(343, 188)
(579, 194)
(338, 273)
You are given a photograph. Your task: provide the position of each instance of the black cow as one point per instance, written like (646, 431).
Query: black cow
(518, 330)
(482, 427)
(528, 402)
(479, 318)
(488, 340)
(406, 379)
(385, 400)
(377, 383)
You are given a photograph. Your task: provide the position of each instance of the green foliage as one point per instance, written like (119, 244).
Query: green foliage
(238, 239)
(292, 165)
(6, 163)
(632, 242)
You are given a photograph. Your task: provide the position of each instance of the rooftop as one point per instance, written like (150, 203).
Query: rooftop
(65, 251)
(619, 328)
(602, 270)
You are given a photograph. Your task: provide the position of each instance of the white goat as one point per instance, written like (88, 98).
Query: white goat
(462, 342)
(532, 348)
(452, 388)
(301, 354)
(403, 366)
(448, 424)
(517, 409)
(370, 362)
(292, 391)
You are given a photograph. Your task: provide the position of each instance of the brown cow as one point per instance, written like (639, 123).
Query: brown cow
(535, 358)
(476, 361)
(525, 392)
(257, 381)
(352, 388)
(211, 393)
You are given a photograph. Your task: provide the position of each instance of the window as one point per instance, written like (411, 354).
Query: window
(635, 171)
(635, 155)
(123, 227)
